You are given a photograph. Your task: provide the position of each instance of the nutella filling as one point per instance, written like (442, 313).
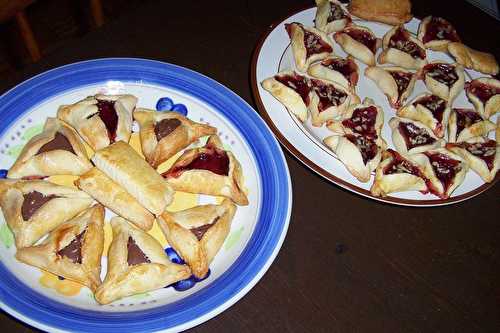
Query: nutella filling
(200, 231)
(135, 255)
(165, 127)
(73, 251)
(32, 202)
(60, 142)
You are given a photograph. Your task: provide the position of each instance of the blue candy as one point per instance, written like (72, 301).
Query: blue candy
(173, 256)
(3, 173)
(185, 284)
(164, 104)
(180, 108)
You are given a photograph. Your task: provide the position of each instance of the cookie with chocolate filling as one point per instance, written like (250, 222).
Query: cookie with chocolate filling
(73, 250)
(101, 119)
(58, 150)
(33, 208)
(208, 170)
(163, 134)
(137, 264)
(197, 233)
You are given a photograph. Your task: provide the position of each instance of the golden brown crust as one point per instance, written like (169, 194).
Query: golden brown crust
(54, 162)
(123, 279)
(198, 253)
(157, 152)
(113, 196)
(67, 203)
(205, 181)
(392, 12)
(46, 256)
(480, 61)
(127, 168)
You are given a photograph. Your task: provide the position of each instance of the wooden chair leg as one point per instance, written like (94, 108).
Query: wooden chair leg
(97, 13)
(27, 36)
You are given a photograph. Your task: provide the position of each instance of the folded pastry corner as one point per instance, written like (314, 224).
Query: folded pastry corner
(33, 208)
(436, 33)
(484, 94)
(137, 263)
(208, 170)
(343, 71)
(73, 250)
(127, 168)
(411, 137)
(465, 124)
(396, 83)
(198, 233)
(402, 49)
(360, 42)
(101, 119)
(443, 79)
(163, 134)
(469, 58)
(58, 150)
(331, 16)
(113, 196)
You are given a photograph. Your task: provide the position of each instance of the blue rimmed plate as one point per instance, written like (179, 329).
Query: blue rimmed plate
(257, 232)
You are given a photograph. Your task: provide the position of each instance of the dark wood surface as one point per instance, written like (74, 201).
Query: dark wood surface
(347, 263)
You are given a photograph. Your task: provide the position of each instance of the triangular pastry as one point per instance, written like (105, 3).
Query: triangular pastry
(444, 170)
(443, 79)
(430, 110)
(101, 119)
(336, 69)
(198, 233)
(163, 134)
(208, 170)
(436, 33)
(402, 49)
(411, 137)
(33, 208)
(360, 42)
(482, 155)
(113, 196)
(331, 16)
(465, 124)
(73, 250)
(484, 94)
(137, 263)
(127, 168)
(58, 150)
(398, 173)
(292, 90)
(328, 100)
(308, 44)
(395, 82)
(469, 58)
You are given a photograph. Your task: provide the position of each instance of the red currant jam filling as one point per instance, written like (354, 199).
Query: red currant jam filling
(466, 118)
(362, 121)
(165, 127)
(312, 42)
(401, 165)
(434, 104)
(135, 255)
(414, 136)
(346, 67)
(364, 37)
(482, 91)
(336, 13)
(59, 142)
(401, 41)
(32, 202)
(445, 168)
(440, 29)
(73, 251)
(106, 111)
(367, 147)
(328, 95)
(402, 80)
(483, 150)
(298, 83)
(443, 73)
(210, 158)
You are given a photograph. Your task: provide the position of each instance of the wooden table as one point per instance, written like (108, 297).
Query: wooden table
(348, 263)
